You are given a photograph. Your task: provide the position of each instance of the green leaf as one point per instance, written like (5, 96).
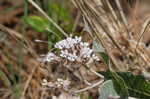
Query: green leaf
(105, 57)
(107, 89)
(38, 23)
(90, 97)
(136, 84)
(120, 85)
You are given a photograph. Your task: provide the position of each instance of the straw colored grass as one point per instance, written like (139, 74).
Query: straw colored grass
(110, 26)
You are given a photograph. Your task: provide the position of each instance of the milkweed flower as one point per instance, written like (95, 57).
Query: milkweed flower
(49, 57)
(60, 83)
(74, 49)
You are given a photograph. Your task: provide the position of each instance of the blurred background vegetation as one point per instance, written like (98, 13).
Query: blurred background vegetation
(21, 24)
(20, 72)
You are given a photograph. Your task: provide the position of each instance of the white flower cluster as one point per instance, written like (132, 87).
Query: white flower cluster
(75, 50)
(68, 43)
(49, 57)
(60, 83)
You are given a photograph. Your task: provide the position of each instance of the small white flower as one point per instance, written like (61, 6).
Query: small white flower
(44, 83)
(49, 57)
(60, 80)
(95, 57)
(60, 83)
(72, 49)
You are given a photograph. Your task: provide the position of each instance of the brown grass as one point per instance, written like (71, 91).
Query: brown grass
(123, 36)
(109, 24)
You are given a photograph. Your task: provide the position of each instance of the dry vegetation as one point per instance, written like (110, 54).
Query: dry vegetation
(121, 27)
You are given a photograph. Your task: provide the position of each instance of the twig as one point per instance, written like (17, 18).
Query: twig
(94, 72)
(42, 12)
(92, 85)
(28, 82)
(89, 87)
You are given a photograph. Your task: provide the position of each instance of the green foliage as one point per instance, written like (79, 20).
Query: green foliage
(14, 79)
(58, 12)
(13, 75)
(120, 85)
(26, 7)
(136, 85)
(85, 95)
(5, 79)
(16, 92)
(107, 89)
(61, 12)
(38, 23)
(105, 57)
(11, 81)
(90, 97)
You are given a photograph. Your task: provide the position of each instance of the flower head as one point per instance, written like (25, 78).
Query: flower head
(60, 83)
(49, 57)
(74, 49)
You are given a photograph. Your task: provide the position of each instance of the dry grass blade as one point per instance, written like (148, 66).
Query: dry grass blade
(26, 44)
(145, 25)
(121, 12)
(110, 27)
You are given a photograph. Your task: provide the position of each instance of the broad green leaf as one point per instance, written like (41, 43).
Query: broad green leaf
(38, 23)
(120, 85)
(136, 84)
(107, 89)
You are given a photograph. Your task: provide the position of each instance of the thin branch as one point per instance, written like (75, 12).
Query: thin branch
(89, 87)
(28, 82)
